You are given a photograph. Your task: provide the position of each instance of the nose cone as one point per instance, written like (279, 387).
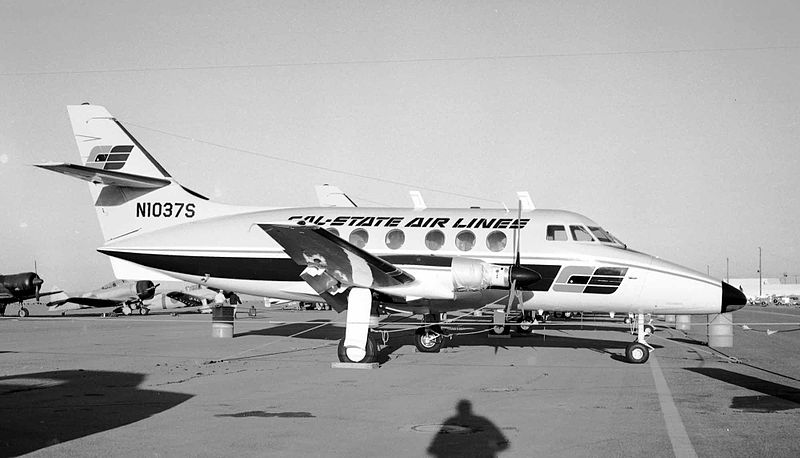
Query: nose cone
(732, 298)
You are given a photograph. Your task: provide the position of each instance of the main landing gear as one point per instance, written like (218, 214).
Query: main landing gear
(638, 351)
(355, 355)
(429, 339)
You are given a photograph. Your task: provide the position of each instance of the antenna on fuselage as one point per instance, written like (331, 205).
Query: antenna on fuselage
(416, 198)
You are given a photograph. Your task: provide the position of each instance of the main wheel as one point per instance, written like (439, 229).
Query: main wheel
(637, 353)
(427, 341)
(23, 312)
(525, 327)
(144, 311)
(499, 329)
(355, 355)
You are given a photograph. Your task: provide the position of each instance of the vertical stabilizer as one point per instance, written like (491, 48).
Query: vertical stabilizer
(105, 144)
(131, 191)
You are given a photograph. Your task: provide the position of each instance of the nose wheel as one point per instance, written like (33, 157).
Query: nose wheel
(638, 351)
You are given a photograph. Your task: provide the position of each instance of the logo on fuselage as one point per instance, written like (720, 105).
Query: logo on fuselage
(589, 280)
(109, 157)
(424, 222)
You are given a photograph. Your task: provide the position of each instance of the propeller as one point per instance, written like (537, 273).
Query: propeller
(37, 280)
(516, 273)
(37, 284)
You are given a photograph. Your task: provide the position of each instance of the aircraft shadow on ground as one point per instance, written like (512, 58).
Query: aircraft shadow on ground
(44, 409)
(615, 348)
(774, 396)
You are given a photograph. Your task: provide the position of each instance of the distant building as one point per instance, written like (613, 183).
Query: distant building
(769, 286)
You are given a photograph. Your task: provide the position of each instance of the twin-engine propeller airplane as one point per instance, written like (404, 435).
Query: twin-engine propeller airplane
(16, 288)
(425, 261)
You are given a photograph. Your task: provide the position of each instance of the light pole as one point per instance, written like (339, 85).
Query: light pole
(759, 271)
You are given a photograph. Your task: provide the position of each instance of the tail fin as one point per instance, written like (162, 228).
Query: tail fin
(105, 144)
(132, 192)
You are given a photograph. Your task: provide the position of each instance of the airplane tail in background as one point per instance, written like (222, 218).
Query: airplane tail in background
(132, 192)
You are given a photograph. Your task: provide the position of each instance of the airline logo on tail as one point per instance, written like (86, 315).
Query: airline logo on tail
(109, 157)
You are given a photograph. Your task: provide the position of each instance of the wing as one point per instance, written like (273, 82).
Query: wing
(185, 298)
(333, 264)
(50, 293)
(85, 302)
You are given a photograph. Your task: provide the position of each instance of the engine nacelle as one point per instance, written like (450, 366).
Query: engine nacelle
(475, 275)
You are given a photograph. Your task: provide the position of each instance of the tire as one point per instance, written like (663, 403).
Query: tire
(499, 330)
(649, 329)
(370, 356)
(23, 312)
(637, 353)
(526, 323)
(144, 311)
(428, 342)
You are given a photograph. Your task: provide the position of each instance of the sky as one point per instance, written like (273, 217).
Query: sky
(672, 124)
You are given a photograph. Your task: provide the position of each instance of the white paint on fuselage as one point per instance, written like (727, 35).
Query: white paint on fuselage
(650, 284)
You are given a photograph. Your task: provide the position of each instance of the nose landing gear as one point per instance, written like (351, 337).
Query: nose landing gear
(638, 351)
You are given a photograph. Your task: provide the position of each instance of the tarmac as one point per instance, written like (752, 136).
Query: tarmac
(161, 385)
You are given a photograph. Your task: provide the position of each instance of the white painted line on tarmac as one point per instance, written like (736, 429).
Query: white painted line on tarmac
(681, 445)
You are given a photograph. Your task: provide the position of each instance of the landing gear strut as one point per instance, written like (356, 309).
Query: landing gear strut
(638, 351)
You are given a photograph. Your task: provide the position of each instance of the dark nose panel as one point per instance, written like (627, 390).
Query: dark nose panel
(732, 298)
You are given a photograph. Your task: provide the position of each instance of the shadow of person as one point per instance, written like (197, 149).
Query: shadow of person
(466, 434)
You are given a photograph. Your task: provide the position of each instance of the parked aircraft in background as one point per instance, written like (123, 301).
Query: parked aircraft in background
(426, 261)
(125, 295)
(140, 296)
(16, 288)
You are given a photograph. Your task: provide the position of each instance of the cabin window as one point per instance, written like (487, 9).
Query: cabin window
(496, 241)
(434, 239)
(601, 235)
(395, 239)
(557, 233)
(580, 234)
(359, 238)
(465, 240)
(333, 231)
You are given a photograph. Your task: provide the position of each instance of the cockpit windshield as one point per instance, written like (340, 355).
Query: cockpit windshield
(582, 234)
(601, 235)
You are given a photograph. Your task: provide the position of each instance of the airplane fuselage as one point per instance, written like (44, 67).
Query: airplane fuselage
(581, 266)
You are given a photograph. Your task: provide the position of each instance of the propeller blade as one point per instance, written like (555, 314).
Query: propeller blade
(511, 295)
(37, 286)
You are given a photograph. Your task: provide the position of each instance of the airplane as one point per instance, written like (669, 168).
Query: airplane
(425, 261)
(140, 296)
(16, 288)
(125, 295)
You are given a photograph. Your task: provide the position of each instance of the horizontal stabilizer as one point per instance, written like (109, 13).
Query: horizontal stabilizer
(106, 177)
